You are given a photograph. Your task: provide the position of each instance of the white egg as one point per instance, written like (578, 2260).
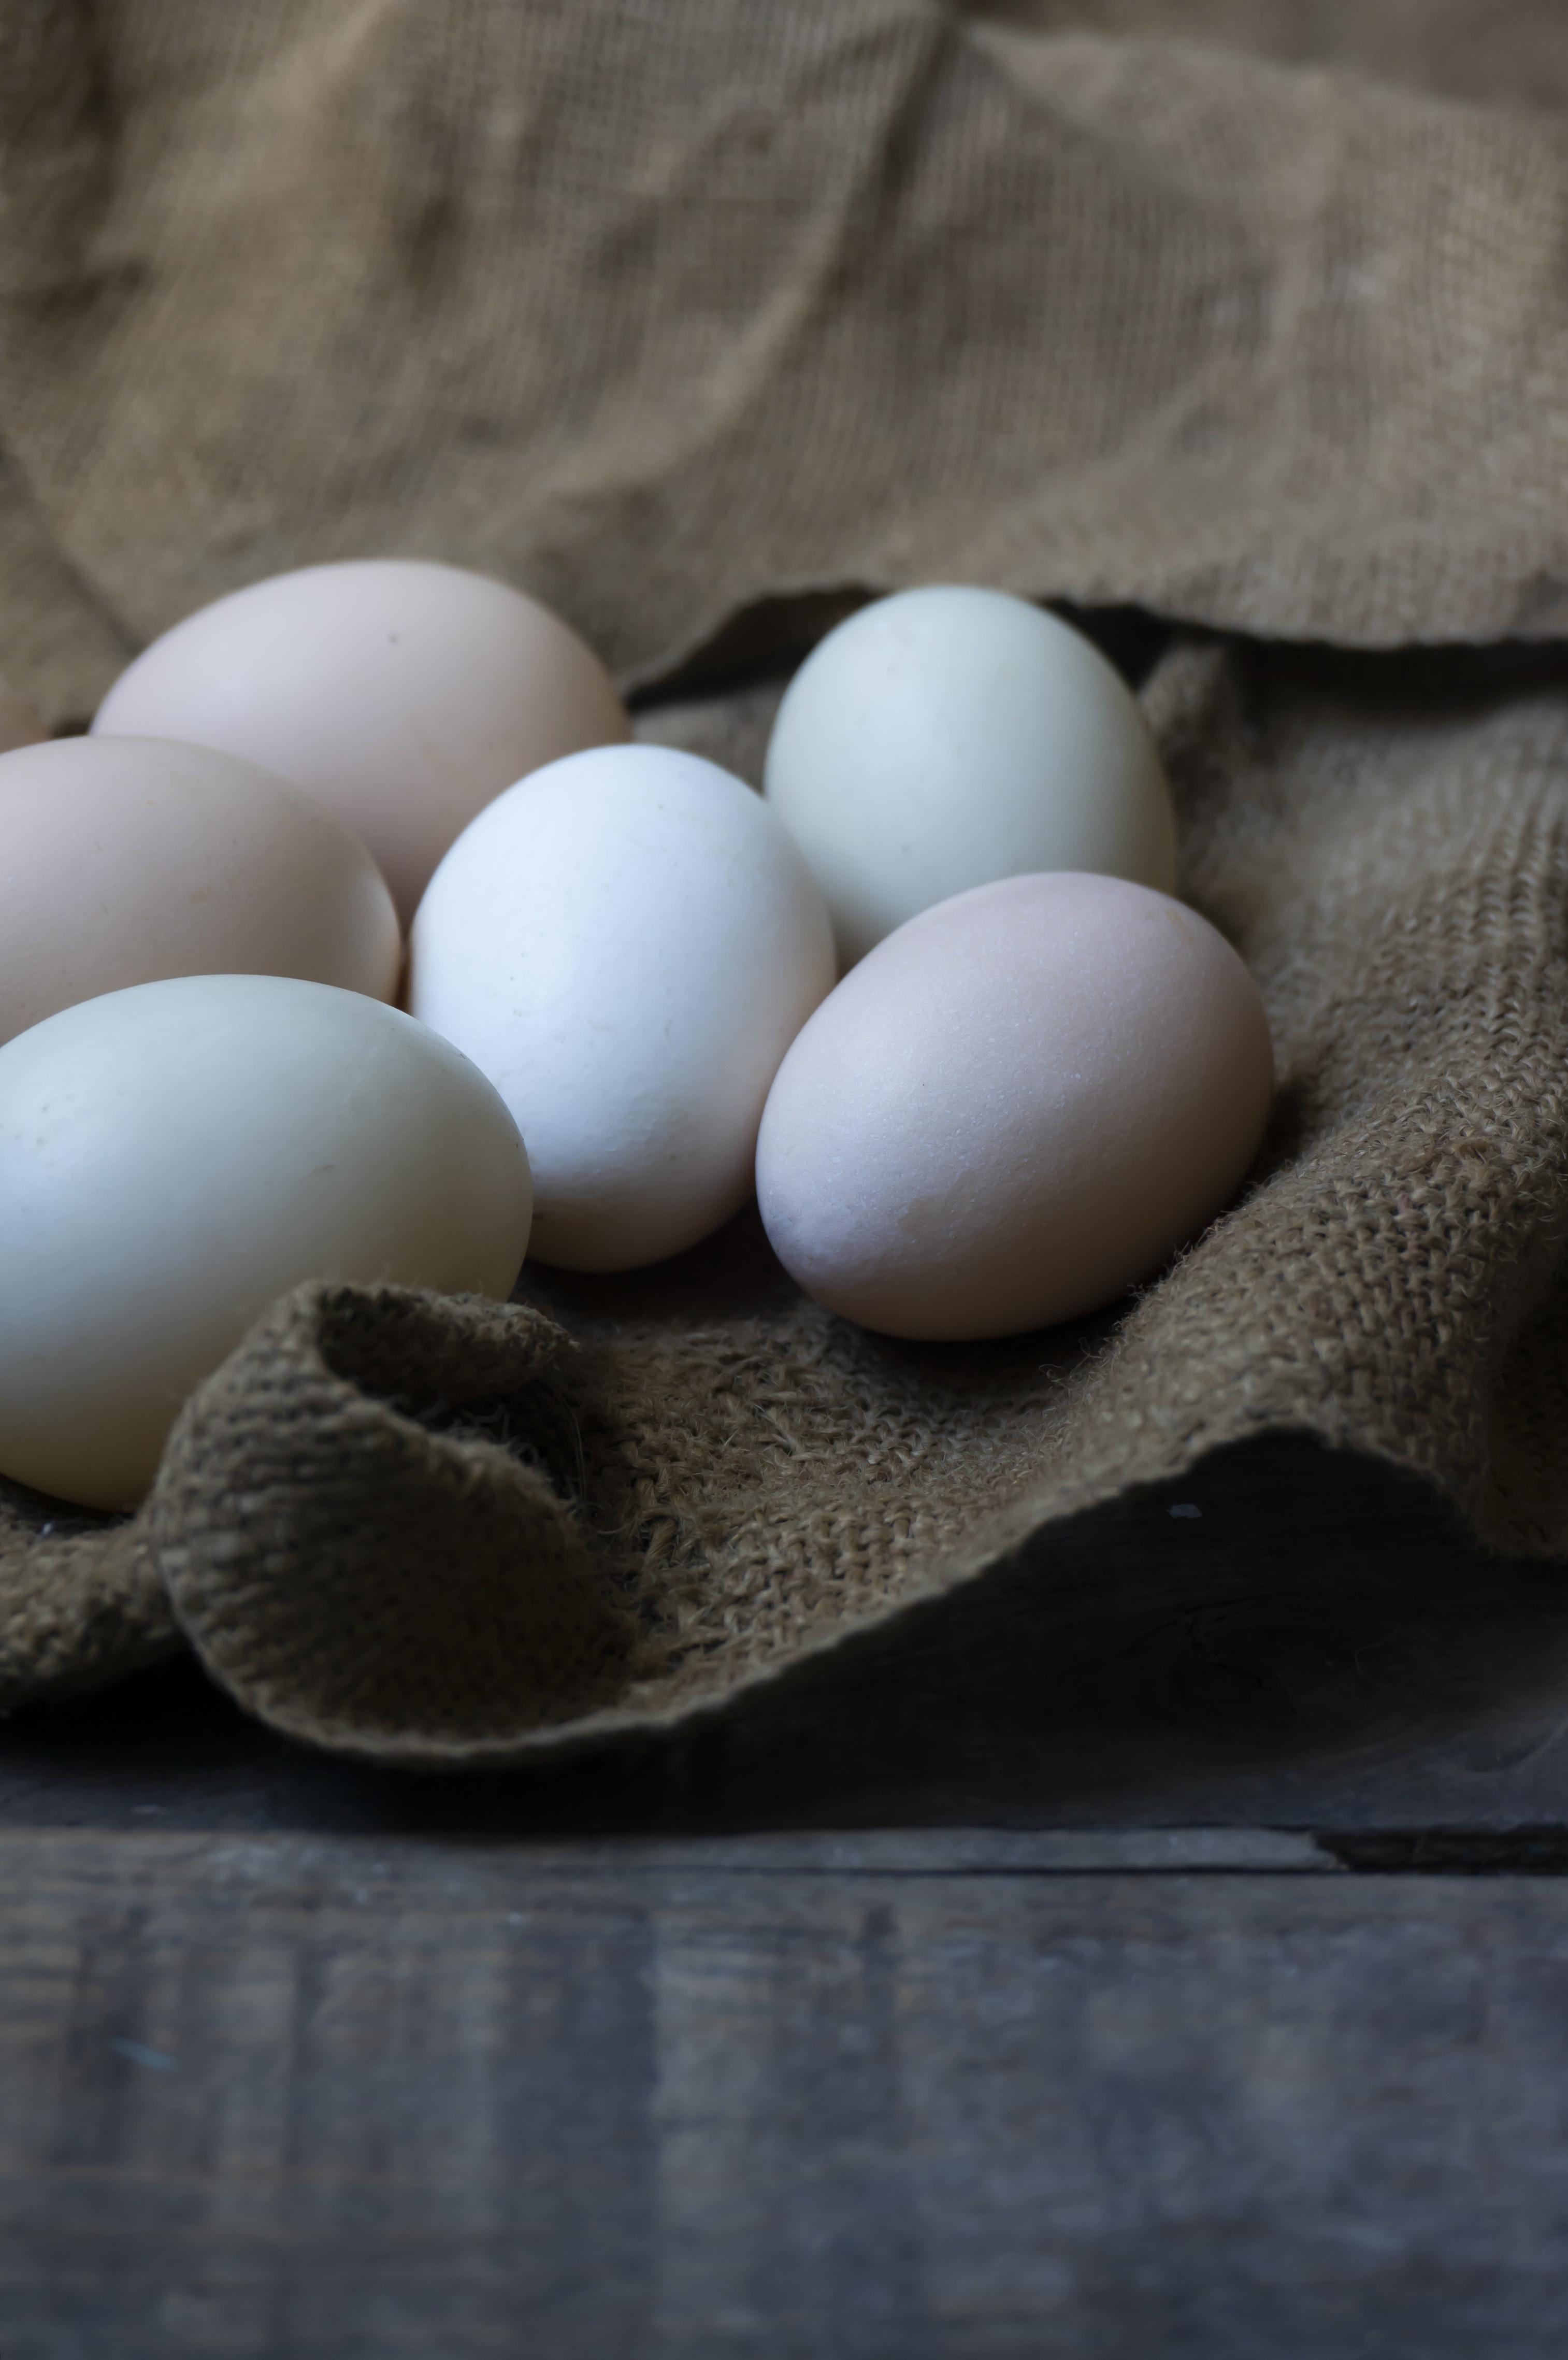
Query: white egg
(176, 1155)
(944, 737)
(402, 695)
(626, 942)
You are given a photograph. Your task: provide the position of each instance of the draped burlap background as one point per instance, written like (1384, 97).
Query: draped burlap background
(690, 316)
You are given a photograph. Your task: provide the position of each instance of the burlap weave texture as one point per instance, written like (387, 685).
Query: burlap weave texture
(671, 312)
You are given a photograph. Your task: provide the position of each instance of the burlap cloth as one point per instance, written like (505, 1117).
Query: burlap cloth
(689, 315)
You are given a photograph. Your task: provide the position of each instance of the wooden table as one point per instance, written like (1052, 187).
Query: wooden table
(1168, 1958)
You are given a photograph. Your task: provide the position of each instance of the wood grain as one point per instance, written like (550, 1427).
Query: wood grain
(329, 2099)
(816, 2064)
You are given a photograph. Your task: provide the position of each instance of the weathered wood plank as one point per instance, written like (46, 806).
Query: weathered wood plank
(325, 2099)
(1315, 1648)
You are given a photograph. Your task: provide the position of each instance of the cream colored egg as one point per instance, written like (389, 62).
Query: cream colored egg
(1014, 1109)
(175, 1156)
(946, 736)
(125, 859)
(403, 694)
(626, 942)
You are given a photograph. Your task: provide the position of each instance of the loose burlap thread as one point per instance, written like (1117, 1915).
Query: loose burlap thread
(675, 314)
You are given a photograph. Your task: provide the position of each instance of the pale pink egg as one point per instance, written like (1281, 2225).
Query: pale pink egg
(123, 860)
(1015, 1107)
(403, 695)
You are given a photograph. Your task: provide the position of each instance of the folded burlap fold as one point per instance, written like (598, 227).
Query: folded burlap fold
(671, 312)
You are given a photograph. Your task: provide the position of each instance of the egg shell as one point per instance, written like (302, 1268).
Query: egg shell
(403, 694)
(946, 736)
(175, 1156)
(626, 942)
(125, 859)
(1014, 1109)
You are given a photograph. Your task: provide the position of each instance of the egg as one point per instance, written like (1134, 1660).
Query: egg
(174, 1156)
(403, 694)
(1015, 1107)
(626, 942)
(125, 860)
(946, 736)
